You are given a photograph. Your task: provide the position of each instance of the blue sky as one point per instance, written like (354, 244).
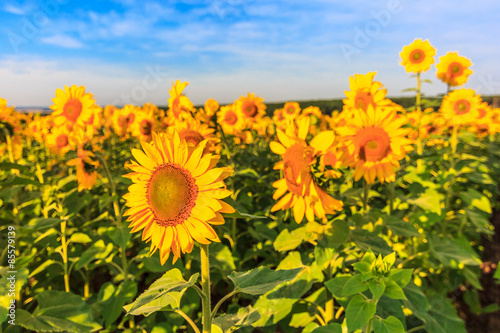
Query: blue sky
(127, 51)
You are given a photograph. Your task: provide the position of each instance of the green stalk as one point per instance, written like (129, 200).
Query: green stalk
(419, 88)
(369, 326)
(205, 286)
(390, 190)
(366, 192)
(64, 245)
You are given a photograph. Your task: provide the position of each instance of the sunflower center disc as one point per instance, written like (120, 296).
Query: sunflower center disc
(462, 107)
(62, 140)
(231, 118)
(250, 109)
(374, 144)
(455, 69)
(146, 127)
(417, 56)
(172, 194)
(72, 109)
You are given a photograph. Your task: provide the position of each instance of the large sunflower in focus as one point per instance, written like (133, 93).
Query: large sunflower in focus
(418, 56)
(365, 92)
(374, 142)
(176, 195)
(304, 194)
(460, 107)
(72, 106)
(453, 69)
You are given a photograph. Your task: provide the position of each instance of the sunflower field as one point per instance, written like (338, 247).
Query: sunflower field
(223, 218)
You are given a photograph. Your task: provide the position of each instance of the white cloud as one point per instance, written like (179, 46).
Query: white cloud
(62, 41)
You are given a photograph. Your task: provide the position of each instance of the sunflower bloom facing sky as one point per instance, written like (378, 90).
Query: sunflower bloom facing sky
(461, 107)
(453, 69)
(72, 106)
(418, 56)
(304, 195)
(374, 142)
(251, 107)
(176, 195)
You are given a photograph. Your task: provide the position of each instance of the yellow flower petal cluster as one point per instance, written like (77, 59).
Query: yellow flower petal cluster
(461, 107)
(364, 92)
(453, 69)
(418, 56)
(176, 195)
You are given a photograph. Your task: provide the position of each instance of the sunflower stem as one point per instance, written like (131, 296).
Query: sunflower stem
(419, 88)
(64, 245)
(205, 286)
(189, 320)
(390, 190)
(366, 192)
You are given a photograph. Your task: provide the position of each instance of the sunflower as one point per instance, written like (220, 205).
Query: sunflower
(179, 106)
(251, 107)
(291, 110)
(144, 125)
(374, 142)
(453, 69)
(230, 119)
(86, 169)
(194, 132)
(72, 107)
(364, 92)
(123, 119)
(304, 194)
(60, 141)
(418, 56)
(460, 107)
(211, 106)
(176, 195)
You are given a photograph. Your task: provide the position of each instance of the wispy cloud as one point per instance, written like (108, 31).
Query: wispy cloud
(62, 41)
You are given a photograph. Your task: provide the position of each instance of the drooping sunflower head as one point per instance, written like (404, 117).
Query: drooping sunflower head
(418, 56)
(453, 69)
(365, 92)
(304, 194)
(72, 106)
(460, 107)
(374, 142)
(176, 195)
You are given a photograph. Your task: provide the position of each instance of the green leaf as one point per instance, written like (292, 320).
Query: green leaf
(480, 220)
(58, 311)
(21, 277)
(416, 300)
(473, 198)
(497, 273)
(287, 241)
(221, 258)
(96, 251)
(354, 285)
(429, 200)
(401, 276)
(451, 252)
(261, 279)
(359, 312)
(389, 325)
(43, 223)
(331, 328)
(165, 292)
(17, 180)
(400, 227)
(244, 317)
(238, 214)
(336, 285)
(442, 316)
(119, 236)
(112, 299)
(272, 310)
(377, 289)
(393, 290)
(42, 267)
(80, 237)
(367, 241)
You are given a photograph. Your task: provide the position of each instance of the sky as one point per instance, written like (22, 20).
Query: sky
(126, 51)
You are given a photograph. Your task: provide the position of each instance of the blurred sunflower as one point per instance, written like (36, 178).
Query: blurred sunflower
(230, 119)
(291, 110)
(453, 69)
(304, 194)
(364, 92)
(72, 106)
(179, 106)
(211, 106)
(144, 125)
(374, 142)
(194, 132)
(60, 141)
(460, 107)
(86, 169)
(123, 120)
(418, 56)
(176, 195)
(251, 107)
